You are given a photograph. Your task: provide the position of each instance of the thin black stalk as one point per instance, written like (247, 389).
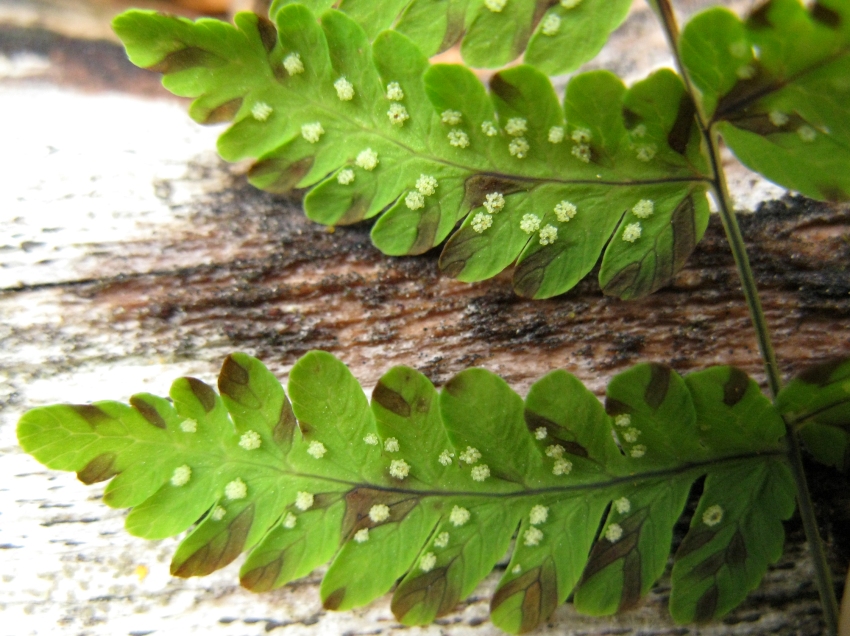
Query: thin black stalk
(664, 11)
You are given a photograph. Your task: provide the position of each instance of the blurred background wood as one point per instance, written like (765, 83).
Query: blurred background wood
(131, 255)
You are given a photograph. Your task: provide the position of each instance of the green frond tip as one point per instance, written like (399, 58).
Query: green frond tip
(775, 87)
(431, 487)
(510, 176)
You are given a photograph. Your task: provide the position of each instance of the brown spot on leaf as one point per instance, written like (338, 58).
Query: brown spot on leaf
(456, 386)
(624, 284)
(187, 58)
(359, 502)
(630, 118)
(457, 251)
(334, 599)
(478, 186)
(234, 382)
(736, 552)
(426, 232)
(504, 89)
(262, 578)
(833, 192)
(268, 33)
(278, 175)
(429, 590)
(356, 212)
(390, 400)
(93, 415)
(711, 566)
(706, 605)
(693, 541)
(205, 395)
(147, 411)
(614, 407)
(529, 274)
(539, 588)
(224, 112)
(680, 133)
(286, 424)
(604, 553)
(220, 549)
(735, 387)
(631, 582)
(825, 16)
(533, 421)
(659, 383)
(821, 374)
(98, 469)
(683, 222)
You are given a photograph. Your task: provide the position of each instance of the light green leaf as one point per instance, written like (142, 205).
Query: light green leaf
(775, 87)
(431, 487)
(374, 130)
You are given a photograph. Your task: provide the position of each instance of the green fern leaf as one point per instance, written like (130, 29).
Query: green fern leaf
(375, 130)
(817, 404)
(430, 487)
(775, 86)
(556, 37)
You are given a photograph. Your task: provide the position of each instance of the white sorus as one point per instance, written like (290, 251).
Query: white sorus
(181, 475)
(631, 435)
(494, 202)
(397, 114)
(516, 569)
(622, 505)
(712, 515)
(218, 513)
(414, 200)
(643, 209)
(459, 516)
(581, 135)
(519, 148)
(316, 449)
(538, 515)
(495, 6)
(394, 92)
(362, 535)
(250, 440)
(581, 152)
(445, 458)
(570, 4)
(367, 159)
(442, 540)
(189, 426)
(391, 445)
(489, 128)
(638, 451)
(236, 489)
(540, 432)
(379, 513)
(551, 24)
(293, 64)
(614, 532)
(556, 450)
(304, 500)
(562, 467)
(481, 222)
(261, 111)
(624, 419)
(556, 134)
(745, 72)
(371, 439)
(778, 118)
(427, 562)
(806, 133)
(548, 235)
(345, 176)
(532, 537)
(470, 455)
(289, 521)
(458, 138)
(312, 132)
(516, 126)
(632, 232)
(426, 184)
(344, 89)
(399, 469)
(451, 117)
(565, 211)
(638, 131)
(646, 152)
(480, 472)
(529, 224)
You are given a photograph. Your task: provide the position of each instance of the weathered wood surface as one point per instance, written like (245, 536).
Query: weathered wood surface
(131, 255)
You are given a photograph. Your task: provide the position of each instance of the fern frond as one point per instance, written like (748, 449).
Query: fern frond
(430, 487)
(556, 37)
(375, 131)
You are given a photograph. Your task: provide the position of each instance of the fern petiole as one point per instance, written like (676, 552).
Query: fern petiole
(826, 590)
